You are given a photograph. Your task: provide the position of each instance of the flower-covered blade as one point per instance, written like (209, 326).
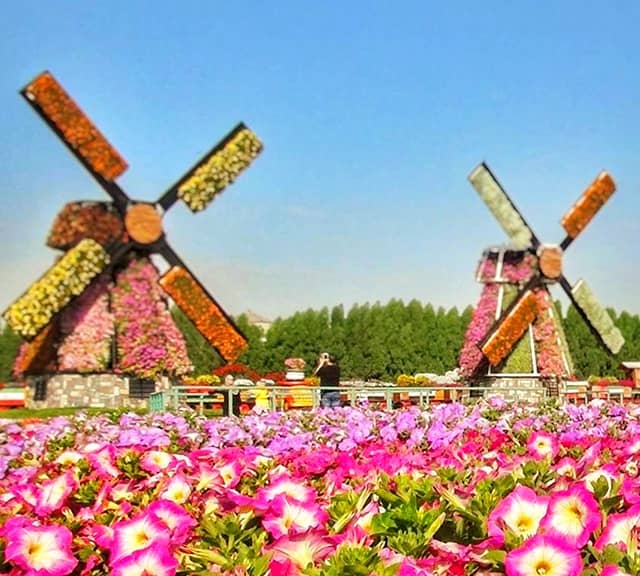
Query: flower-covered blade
(74, 127)
(80, 220)
(207, 316)
(502, 207)
(592, 199)
(510, 328)
(219, 168)
(64, 281)
(599, 319)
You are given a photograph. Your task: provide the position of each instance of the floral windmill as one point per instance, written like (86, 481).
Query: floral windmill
(108, 244)
(515, 328)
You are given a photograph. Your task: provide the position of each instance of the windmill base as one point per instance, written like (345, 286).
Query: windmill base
(526, 388)
(91, 391)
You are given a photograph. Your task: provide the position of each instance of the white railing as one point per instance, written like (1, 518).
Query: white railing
(305, 396)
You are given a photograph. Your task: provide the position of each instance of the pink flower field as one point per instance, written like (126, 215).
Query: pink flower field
(484, 489)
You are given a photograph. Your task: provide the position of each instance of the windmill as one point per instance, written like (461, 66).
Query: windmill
(515, 315)
(100, 237)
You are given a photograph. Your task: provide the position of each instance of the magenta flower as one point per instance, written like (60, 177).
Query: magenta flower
(140, 532)
(175, 517)
(288, 517)
(621, 529)
(546, 555)
(542, 445)
(302, 549)
(573, 515)
(39, 550)
(155, 560)
(54, 493)
(611, 570)
(521, 512)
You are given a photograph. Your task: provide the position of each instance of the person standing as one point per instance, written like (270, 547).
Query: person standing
(328, 370)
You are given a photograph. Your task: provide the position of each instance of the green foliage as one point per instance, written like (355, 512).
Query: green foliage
(353, 560)
(232, 541)
(9, 344)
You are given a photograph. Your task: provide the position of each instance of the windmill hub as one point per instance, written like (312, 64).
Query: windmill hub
(143, 223)
(550, 259)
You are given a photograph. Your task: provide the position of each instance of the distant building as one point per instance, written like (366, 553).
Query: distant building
(256, 320)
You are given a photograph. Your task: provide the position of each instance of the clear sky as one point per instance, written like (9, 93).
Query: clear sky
(372, 115)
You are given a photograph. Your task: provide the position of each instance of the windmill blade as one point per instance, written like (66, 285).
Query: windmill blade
(215, 170)
(594, 314)
(510, 327)
(49, 99)
(205, 313)
(501, 206)
(65, 280)
(581, 213)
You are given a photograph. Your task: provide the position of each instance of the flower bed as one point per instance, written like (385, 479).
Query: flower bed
(488, 489)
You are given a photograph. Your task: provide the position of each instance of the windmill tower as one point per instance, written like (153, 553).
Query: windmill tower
(515, 331)
(104, 294)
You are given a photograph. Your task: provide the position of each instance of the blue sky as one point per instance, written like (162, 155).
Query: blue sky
(372, 115)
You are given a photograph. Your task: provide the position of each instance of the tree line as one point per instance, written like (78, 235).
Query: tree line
(377, 341)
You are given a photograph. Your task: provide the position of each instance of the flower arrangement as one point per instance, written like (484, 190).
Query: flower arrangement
(208, 318)
(589, 203)
(501, 207)
(295, 364)
(482, 319)
(598, 316)
(511, 329)
(86, 331)
(75, 127)
(38, 355)
(79, 220)
(219, 170)
(201, 380)
(237, 371)
(492, 488)
(546, 334)
(66, 279)
(148, 341)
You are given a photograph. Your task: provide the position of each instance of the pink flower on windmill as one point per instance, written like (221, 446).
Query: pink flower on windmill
(38, 550)
(541, 554)
(573, 515)
(520, 512)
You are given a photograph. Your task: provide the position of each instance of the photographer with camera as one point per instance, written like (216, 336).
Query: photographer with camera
(328, 371)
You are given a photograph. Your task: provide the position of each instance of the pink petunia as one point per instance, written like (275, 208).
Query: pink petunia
(39, 550)
(175, 517)
(546, 555)
(573, 515)
(138, 533)
(288, 517)
(302, 549)
(620, 529)
(156, 560)
(521, 512)
(54, 493)
(611, 570)
(542, 445)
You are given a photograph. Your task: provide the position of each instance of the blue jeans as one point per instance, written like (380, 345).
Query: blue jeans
(330, 399)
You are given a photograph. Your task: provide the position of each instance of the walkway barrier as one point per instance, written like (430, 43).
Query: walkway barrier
(388, 397)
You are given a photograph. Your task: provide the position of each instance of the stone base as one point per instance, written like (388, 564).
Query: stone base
(521, 388)
(88, 391)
